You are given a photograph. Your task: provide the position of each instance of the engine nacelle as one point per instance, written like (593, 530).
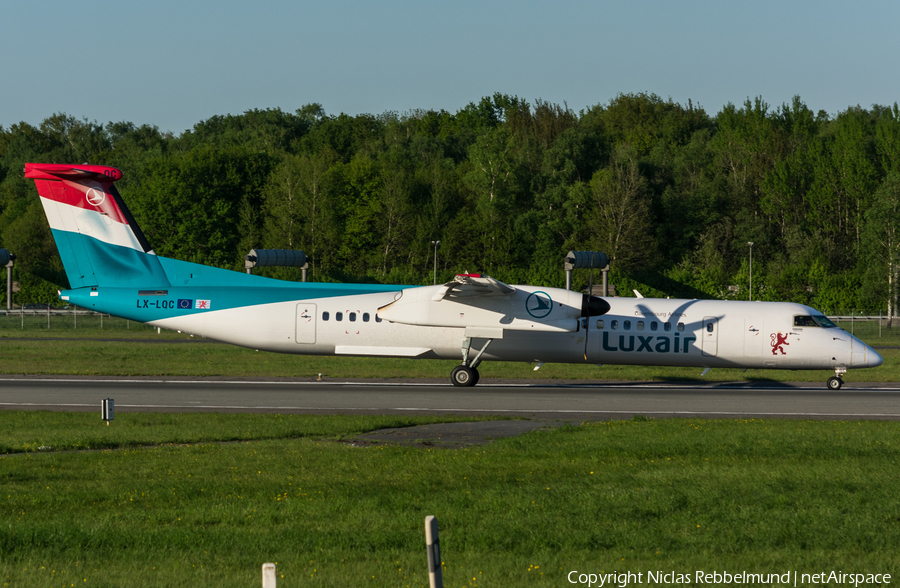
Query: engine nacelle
(527, 308)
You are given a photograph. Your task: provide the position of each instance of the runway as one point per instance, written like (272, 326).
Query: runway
(533, 400)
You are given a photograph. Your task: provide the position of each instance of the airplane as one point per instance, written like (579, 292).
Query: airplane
(112, 268)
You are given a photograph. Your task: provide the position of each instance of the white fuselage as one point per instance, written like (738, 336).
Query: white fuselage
(638, 331)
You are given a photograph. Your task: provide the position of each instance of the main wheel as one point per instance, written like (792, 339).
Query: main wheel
(835, 383)
(464, 376)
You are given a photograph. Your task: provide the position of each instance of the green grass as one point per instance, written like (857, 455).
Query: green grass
(38, 324)
(31, 350)
(40, 431)
(683, 495)
(42, 356)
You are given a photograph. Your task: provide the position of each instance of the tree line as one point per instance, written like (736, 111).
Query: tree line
(672, 194)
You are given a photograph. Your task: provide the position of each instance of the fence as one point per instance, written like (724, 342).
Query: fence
(71, 319)
(865, 324)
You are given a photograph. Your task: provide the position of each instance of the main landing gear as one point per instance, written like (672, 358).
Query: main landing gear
(463, 375)
(835, 382)
(466, 375)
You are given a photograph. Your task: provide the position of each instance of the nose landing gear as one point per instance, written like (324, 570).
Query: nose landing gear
(835, 382)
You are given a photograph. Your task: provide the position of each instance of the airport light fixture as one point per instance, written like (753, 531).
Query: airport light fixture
(8, 260)
(750, 243)
(435, 243)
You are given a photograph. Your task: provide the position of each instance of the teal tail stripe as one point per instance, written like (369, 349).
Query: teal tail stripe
(91, 262)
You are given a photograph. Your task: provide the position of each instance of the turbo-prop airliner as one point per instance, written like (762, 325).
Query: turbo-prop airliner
(112, 268)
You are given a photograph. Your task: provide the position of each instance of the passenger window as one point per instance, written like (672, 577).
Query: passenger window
(709, 327)
(339, 316)
(667, 327)
(352, 317)
(365, 317)
(377, 319)
(600, 324)
(640, 325)
(325, 316)
(626, 325)
(654, 325)
(680, 326)
(614, 325)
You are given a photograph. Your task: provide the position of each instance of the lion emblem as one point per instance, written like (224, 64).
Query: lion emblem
(778, 341)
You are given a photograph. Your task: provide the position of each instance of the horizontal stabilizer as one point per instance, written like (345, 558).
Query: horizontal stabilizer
(56, 171)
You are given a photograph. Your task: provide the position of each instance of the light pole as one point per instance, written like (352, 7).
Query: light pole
(750, 243)
(8, 260)
(435, 243)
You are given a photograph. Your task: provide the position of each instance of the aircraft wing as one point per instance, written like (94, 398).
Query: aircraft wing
(482, 304)
(472, 285)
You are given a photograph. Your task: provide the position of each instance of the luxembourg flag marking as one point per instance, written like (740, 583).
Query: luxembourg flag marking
(203, 304)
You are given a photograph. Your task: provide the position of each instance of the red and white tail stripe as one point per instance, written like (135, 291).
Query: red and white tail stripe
(82, 199)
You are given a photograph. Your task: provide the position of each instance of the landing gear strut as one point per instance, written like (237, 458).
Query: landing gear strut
(466, 375)
(835, 382)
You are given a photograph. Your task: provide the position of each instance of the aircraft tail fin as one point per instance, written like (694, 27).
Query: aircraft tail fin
(98, 239)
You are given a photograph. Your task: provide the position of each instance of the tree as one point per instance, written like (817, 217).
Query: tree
(494, 182)
(189, 206)
(887, 138)
(882, 233)
(621, 222)
(393, 214)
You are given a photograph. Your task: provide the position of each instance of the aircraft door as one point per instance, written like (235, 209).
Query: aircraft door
(753, 338)
(857, 352)
(710, 336)
(306, 324)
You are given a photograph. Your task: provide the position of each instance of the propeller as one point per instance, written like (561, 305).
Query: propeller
(593, 305)
(587, 321)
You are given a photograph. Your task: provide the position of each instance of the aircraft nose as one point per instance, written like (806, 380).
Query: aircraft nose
(873, 358)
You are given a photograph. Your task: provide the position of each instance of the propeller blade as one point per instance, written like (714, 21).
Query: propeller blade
(587, 321)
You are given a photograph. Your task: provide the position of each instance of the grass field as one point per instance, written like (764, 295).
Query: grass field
(682, 495)
(169, 358)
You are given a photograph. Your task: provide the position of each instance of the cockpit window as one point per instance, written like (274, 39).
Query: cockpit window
(814, 321)
(804, 321)
(824, 322)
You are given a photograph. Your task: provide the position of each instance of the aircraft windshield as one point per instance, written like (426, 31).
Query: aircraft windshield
(824, 322)
(804, 321)
(813, 321)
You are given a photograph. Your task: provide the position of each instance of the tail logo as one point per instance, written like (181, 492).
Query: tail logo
(95, 197)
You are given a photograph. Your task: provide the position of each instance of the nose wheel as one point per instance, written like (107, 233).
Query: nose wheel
(835, 382)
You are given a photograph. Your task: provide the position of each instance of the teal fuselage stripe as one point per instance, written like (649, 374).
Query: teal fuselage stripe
(141, 306)
(173, 288)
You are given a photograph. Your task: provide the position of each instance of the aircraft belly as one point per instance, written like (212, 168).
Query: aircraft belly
(528, 347)
(269, 327)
